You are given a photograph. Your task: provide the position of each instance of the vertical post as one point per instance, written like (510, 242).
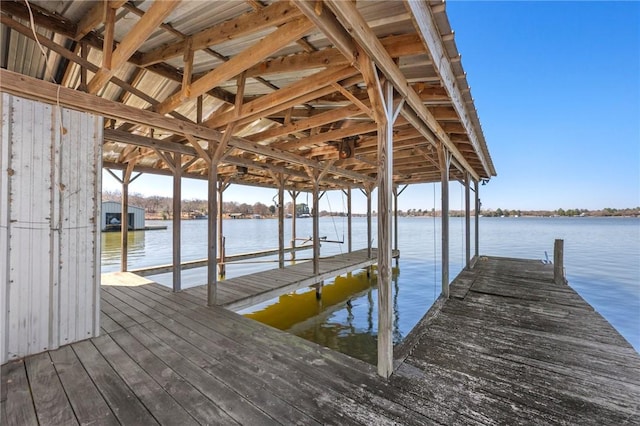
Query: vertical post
(294, 196)
(222, 270)
(316, 226)
(385, 196)
(349, 233)
(212, 192)
(445, 162)
(280, 221)
(467, 220)
(177, 209)
(477, 230)
(368, 194)
(558, 262)
(395, 220)
(124, 223)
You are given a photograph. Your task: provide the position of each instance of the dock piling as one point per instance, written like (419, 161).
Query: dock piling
(558, 261)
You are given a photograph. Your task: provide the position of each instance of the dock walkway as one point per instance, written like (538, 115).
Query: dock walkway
(248, 290)
(508, 347)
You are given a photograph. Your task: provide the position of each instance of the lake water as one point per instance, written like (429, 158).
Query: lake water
(602, 262)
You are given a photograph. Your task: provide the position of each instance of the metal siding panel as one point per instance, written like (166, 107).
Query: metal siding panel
(30, 235)
(78, 231)
(5, 164)
(98, 139)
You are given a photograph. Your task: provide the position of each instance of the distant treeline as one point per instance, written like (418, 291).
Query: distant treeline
(161, 207)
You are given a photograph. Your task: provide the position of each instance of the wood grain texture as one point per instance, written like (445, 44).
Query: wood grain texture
(509, 346)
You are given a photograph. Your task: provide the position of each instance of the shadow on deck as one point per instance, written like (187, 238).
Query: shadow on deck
(508, 347)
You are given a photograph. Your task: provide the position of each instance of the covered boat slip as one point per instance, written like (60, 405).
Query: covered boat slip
(300, 96)
(509, 346)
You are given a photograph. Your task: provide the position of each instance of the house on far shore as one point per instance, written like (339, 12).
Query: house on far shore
(111, 217)
(236, 215)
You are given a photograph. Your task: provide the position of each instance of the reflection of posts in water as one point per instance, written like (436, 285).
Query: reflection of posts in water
(397, 336)
(370, 310)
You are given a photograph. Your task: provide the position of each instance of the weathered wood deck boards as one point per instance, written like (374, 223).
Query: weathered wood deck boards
(248, 290)
(512, 347)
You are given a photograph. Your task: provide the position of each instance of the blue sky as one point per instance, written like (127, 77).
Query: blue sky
(557, 89)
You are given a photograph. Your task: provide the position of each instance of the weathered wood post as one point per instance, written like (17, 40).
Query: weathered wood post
(467, 220)
(177, 210)
(385, 249)
(124, 212)
(280, 182)
(477, 230)
(222, 186)
(368, 191)
(558, 262)
(212, 243)
(316, 226)
(349, 234)
(294, 196)
(124, 222)
(445, 162)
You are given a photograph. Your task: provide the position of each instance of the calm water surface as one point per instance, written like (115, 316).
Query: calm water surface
(602, 260)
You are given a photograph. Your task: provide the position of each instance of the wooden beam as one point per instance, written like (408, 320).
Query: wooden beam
(95, 17)
(212, 208)
(187, 72)
(477, 217)
(301, 125)
(293, 91)
(368, 41)
(273, 15)
(397, 46)
(107, 44)
(32, 88)
(240, 62)
(467, 220)
(357, 102)
(317, 13)
(158, 11)
(427, 29)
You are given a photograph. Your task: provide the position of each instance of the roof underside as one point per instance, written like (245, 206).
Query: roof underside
(282, 84)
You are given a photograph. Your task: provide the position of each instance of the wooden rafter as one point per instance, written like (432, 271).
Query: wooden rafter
(265, 47)
(158, 11)
(273, 15)
(368, 41)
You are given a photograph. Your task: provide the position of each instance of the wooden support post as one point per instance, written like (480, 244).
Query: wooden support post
(124, 215)
(558, 262)
(477, 230)
(395, 220)
(124, 224)
(280, 220)
(467, 220)
(294, 196)
(212, 273)
(316, 226)
(369, 233)
(222, 269)
(385, 249)
(177, 209)
(445, 163)
(349, 229)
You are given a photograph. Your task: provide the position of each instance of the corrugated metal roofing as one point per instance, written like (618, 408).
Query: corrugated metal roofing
(153, 84)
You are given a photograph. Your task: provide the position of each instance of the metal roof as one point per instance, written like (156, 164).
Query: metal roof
(308, 87)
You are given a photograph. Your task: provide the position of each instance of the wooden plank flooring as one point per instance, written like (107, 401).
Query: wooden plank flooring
(248, 290)
(509, 347)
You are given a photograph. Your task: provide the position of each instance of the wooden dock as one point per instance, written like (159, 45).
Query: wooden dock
(249, 290)
(510, 346)
(201, 263)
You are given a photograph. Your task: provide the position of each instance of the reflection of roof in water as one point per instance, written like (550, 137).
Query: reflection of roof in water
(294, 308)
